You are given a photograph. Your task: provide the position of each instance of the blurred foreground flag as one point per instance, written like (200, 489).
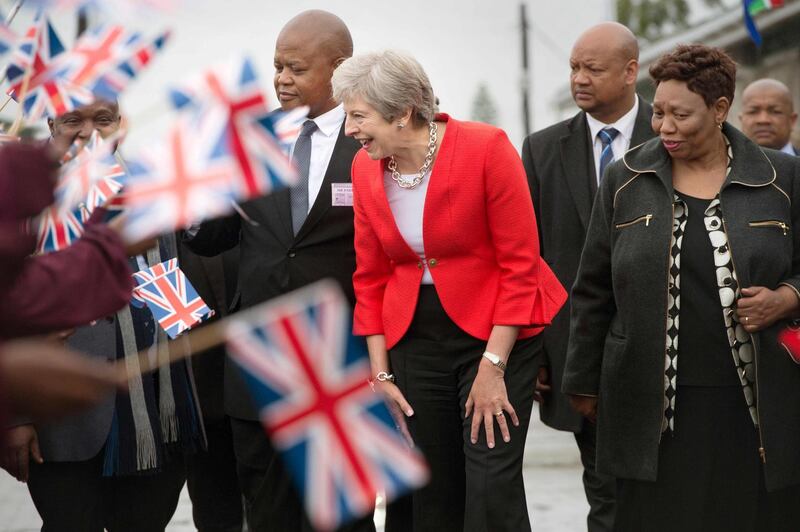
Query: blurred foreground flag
(308, 376)
(31, 74)
(234, 92)
(752, 8)
(171, 298)
(90, 177)
(8, 39)
(107, 58)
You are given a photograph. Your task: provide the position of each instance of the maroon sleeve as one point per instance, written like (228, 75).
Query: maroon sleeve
(68, 288)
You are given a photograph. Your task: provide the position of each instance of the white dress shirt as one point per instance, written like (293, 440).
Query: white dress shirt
(621, 142)
(408, 205)
(322, 142)
(788, 148)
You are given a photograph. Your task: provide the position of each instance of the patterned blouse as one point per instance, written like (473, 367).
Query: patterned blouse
(740, 341)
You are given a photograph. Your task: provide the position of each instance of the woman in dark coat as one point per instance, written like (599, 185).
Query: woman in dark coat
(691, 269)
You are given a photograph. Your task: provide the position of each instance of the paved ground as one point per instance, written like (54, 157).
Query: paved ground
(552, 481)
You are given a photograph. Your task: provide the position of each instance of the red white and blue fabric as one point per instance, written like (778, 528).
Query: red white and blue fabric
(57, 230)
(91, 177)
(107, 58)
(171, 298)
(308, 376)
(187, 177)
(8, 39)
(120, 9)
(234, 91)
(37, 58)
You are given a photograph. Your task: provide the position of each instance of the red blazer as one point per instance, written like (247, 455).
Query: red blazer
(480, 240)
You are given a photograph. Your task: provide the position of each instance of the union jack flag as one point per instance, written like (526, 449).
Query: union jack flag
(286, 125)
(7, 39)
(56, 230)
(185, 178)
(309, 378)
(107, 58)
(171, 298)
(119, 8)
(91, 177)
(235, 91)
(32, 74)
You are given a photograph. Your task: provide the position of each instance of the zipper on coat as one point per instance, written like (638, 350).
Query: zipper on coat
(772, 223)
(666, 321)
(646, 219)
(762, 452)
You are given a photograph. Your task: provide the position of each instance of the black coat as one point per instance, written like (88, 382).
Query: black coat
(273, 261)
(560, 165)
(619, 302)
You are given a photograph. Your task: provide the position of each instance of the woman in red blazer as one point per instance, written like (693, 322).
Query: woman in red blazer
(450, 290)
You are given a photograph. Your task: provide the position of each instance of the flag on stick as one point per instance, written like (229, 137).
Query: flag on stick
(309, 379)
(235, 91)
(91, 176)
(184, 178)
(752, 8)
(171, 298)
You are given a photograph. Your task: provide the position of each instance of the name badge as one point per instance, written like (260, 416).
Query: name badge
(342, 194)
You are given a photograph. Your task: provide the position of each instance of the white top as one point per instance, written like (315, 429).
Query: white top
(788, 148)
(407, 206)
(322, 142)
(621, 142)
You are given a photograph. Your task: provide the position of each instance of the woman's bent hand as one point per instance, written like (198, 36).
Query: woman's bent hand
(398, 407)
(488, 402)
(759, 307)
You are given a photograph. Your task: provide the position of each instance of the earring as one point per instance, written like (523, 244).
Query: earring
(400, 125)
(719, 125)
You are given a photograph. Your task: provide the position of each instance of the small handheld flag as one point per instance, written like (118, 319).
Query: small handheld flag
(308, 376)
(171, 298)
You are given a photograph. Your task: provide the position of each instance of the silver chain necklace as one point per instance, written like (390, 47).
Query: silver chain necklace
(403, 183)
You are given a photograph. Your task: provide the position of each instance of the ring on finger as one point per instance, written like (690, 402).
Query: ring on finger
(746, 319)
(499, 414)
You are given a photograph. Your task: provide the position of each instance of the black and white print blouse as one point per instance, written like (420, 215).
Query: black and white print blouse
(740, 341)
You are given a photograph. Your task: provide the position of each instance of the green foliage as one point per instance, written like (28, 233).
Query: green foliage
(652, 19)
(483, 107)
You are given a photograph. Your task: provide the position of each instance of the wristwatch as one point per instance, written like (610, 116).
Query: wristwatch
(495, 360)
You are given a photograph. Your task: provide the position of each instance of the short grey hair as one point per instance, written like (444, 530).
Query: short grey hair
(391, 82)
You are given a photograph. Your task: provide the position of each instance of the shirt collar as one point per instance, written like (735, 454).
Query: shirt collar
(788, 148)
(330, 123)
(624, 125)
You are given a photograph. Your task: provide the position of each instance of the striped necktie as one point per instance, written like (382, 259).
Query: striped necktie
(607, 136)
(298, 194)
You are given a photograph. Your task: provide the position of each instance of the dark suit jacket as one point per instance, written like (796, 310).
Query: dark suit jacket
(214, 278)
(560, 167)
(273, 261)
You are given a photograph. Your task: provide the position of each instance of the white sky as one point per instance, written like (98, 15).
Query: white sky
(460, 43)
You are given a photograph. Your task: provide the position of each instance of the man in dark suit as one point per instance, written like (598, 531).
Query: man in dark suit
(211, 473)
(768, 115)
(564, 163)
(290, 239)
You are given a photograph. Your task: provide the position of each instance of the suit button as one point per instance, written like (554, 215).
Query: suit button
(433, 262)
(420, 265)
(291, 254)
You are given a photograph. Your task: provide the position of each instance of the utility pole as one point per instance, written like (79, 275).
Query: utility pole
(525, 82)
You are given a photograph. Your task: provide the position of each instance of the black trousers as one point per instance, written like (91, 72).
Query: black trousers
(212, 482)
(710, 477)
(75, 497)
(271, 502)
(600, 489)
(472, 488)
